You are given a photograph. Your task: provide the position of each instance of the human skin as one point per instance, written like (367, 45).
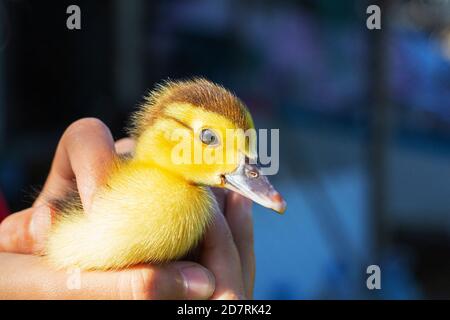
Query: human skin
(224, 270)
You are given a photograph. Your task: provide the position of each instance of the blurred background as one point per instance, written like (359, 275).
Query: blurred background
(364, 119)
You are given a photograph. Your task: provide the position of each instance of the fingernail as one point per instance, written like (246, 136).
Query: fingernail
(40, 223)
(199, 282)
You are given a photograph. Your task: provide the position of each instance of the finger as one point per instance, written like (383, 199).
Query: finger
(180, 280)
(220, 256)
(125, 145)
(25, 231)
(85, 152)
(221, 196)
(239, 218)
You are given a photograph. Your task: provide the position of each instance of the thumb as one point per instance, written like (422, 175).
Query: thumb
(177, 280)
(25, 231)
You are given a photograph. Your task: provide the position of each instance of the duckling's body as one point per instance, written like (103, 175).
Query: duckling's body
(142, 215)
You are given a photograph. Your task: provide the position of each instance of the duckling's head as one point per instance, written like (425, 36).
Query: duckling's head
(203, 133)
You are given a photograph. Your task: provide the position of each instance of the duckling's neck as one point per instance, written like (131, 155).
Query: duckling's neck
(154, 150)
(145, 152)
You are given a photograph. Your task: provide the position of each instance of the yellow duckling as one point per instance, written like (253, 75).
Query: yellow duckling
(156, 205)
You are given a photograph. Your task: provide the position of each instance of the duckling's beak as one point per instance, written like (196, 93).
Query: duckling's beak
(248, 180)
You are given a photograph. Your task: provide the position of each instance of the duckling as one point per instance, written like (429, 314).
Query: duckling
(156, 205)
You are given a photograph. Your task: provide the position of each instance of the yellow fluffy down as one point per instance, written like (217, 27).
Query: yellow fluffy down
(142, 215)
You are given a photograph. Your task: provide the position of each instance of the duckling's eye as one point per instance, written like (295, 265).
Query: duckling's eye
(208, 137)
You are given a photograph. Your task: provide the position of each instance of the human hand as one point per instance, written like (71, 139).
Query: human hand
(85, 154)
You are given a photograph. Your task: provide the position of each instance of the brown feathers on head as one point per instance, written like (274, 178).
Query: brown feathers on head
(198, 92)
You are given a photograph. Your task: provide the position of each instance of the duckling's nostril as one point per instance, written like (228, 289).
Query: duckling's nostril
(252, 174)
